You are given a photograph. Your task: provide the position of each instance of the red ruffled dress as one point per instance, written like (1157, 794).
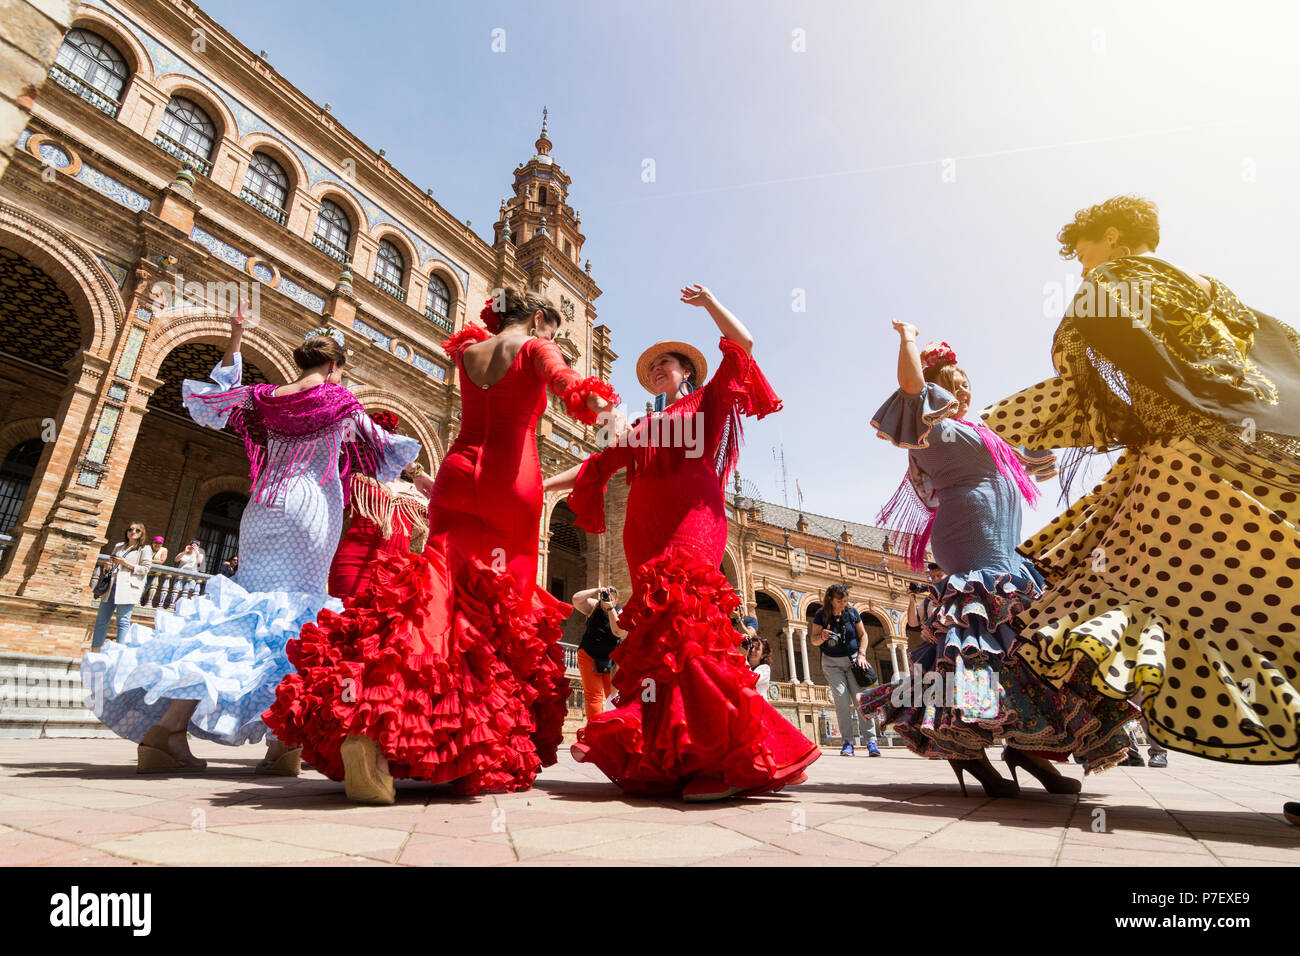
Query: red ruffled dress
(689, 704)
(450, 660)
(379, 522)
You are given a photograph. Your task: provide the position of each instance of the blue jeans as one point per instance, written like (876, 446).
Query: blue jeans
(108, 609)
(844, 692)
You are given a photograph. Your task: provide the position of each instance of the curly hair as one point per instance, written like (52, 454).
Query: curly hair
(1137, 220)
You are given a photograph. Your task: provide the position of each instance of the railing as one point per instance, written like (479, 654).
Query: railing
(570, 657)
(88, 93)
(201, 165)
(441, 321)
(396, 291)
(261, 205)
(6, 542)
(164, 587)
(327, 247)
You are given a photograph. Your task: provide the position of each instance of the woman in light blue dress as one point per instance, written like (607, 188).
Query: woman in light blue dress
(210, 668)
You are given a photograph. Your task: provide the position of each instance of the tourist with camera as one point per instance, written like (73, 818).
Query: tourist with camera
(601, 608)
(838, 630)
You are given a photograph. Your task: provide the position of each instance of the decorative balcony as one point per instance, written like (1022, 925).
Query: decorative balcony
(165, 585)
(199, 164)
(262, 206)
(88, 93)
(396, 291)
(441, 321)
(327, 247)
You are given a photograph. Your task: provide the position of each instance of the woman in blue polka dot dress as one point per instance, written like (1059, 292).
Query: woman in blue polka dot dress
(211, 667)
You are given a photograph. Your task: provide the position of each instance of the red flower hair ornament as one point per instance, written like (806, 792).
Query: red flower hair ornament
(385, 420)
(490, 317)
(937, 355)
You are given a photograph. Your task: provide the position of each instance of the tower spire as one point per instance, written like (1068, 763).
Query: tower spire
(543, 143)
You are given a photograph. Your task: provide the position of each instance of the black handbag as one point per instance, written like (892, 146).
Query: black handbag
(103, 584)
(865, 676)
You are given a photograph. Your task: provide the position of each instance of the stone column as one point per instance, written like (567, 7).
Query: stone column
(789, 649)
(807, 661)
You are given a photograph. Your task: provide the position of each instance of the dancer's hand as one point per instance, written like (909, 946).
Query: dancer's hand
(906, 331)
(697, 295)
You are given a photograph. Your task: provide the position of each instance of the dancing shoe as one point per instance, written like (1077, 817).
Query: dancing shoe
(993, 784)
(706, 787)
(288, 764)
(1292, 812)
(847, 749)
(1041, 770)
(154, 756)
(363, 781)
(872, 749)
(1158, 760)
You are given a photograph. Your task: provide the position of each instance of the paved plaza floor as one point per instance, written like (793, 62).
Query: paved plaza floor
(80, 803)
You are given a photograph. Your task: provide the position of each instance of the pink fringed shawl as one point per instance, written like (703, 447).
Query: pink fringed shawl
(299, 423)
(909, 515)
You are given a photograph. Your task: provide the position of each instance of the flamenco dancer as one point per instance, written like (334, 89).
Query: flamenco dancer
(382, 518)
(211, 668)
(692, 722)
(962, 496)
(447, 668)
(1173, 581)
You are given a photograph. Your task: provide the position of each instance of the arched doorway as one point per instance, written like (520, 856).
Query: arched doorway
(771, 625)
(566, 566)
(16, 473)
(219, 528)
(878, 636)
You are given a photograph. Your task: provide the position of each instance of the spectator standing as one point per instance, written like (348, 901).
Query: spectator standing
(601, 636)
(129, 570)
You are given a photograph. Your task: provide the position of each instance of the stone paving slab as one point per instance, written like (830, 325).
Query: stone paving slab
(80, 803)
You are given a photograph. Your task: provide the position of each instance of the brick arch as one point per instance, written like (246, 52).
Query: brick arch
(204, 491)
(443, 272)
(112, 30)
(288, 160)
(334, 192)
(90, 289)
(272, 356)
(881, 615)
(178, 84)
(376, 399)
(17, 432)
(782, 601)
(386, 230)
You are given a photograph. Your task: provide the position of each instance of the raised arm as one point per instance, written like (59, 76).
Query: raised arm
(584, 398)
(732, 329)
(910, 379)
(236, 333)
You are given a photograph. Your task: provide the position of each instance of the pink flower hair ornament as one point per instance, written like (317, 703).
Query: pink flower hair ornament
(937, 354)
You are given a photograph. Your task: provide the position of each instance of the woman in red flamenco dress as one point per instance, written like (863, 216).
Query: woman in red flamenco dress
(383, 518)
(690, 721)
(448, 668)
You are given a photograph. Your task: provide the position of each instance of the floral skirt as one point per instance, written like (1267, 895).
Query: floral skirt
(1174, 582)
(688, 703)
(968, 688)
(456, 682)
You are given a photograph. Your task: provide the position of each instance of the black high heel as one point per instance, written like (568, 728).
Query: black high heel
(1051, 778)
(994, 785)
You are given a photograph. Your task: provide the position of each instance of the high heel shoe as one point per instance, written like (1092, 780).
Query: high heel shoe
(362, 779)
(1042, 771)
(288, 764)
(707, 787)
(994, 785)
(154, 756)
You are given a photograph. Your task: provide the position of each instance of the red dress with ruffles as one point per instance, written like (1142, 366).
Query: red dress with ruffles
(689, 707)
(379, 522)
(450, 660)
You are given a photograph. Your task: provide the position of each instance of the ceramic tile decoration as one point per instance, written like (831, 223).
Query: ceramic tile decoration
(116, 271)
(99, 445)
(296, 292)
(111, 188)
(134, 339)
(429, 367)
(222, 250)
(54, 156)
(117, 393)
(372, 333)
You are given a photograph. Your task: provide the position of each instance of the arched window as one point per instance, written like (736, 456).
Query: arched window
(187, 133)
(15, 478)
(437, 303)
(219, 528)
(389, 269)
(266, 187)
(91, 67)
(333, 230)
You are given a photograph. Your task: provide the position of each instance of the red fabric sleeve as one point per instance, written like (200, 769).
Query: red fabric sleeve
(469, 335)
(588, 496)
(740, 383)
(549, 362)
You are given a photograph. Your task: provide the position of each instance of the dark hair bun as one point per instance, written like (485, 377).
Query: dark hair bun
(318, 350)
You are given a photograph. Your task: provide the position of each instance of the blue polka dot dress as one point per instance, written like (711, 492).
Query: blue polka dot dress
(225, 649)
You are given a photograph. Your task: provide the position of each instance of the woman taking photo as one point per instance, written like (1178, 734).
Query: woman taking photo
(838, 630)
(962, 496)
(128, 570)
(210, 668)
(448, 667)
(691, 721)
(599, 638)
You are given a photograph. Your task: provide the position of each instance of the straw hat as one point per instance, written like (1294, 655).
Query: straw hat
(695, 356)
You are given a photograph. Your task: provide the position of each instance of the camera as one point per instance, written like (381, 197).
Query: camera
(917, 587)
(604, 594)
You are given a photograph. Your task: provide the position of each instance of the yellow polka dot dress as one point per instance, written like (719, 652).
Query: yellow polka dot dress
(1173, 581)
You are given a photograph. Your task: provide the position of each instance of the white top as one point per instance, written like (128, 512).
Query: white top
(128, 583)
(190, 560)
(764, 672)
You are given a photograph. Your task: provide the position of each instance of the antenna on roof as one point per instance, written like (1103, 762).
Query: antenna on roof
(778, 455)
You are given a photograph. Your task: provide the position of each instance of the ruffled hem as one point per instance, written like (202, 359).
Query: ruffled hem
(692, 709)
(225, 649)
(905, 420)
(469, 335)
(973, 611)
(463, 685)
(575, 398)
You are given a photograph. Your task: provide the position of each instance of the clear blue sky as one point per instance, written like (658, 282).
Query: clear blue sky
(822, 170)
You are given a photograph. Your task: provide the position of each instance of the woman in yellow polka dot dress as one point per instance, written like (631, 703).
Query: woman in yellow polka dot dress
(1174, 580)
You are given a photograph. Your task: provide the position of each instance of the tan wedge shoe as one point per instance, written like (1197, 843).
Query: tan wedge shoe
(288, 764)
(362, 779)
(153, 756)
